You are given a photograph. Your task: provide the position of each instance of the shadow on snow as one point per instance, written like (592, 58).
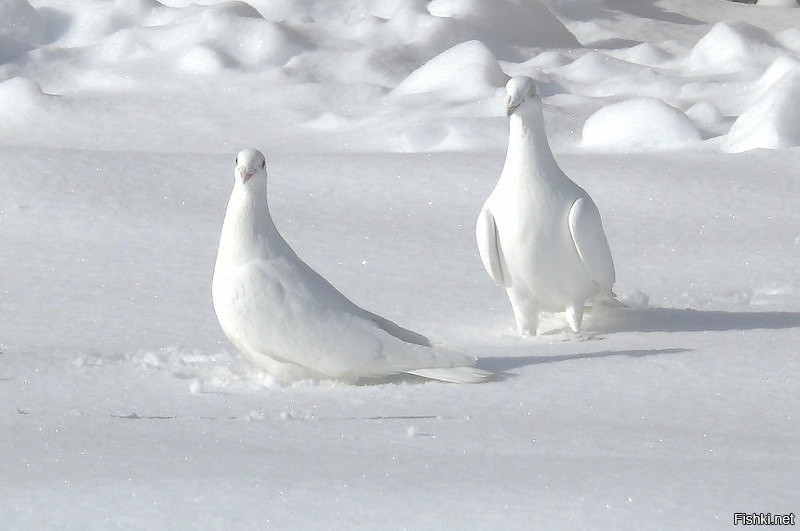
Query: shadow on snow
(688, 320)
(500, 365)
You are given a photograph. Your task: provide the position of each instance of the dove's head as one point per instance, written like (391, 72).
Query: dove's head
(520, 94)
(250, 163)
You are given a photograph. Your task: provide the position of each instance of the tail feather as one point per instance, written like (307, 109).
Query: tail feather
(453, 374)
(609, 298)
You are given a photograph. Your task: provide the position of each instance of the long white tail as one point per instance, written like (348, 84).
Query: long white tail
(454, 374)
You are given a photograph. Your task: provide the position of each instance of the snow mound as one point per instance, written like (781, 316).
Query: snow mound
(119, 47)
(466, 71)
(411, 23)
(777, 3)
(19, 96)
(642, 54)
(733, 46)
(639, 125)
(449, 135)
(773, 122)
(706, 115)
(790, 39)
(596, 66)
(265, 42)
(202, 60)
(779, 68)
(229, 30)
(237, 8)
(200, 38)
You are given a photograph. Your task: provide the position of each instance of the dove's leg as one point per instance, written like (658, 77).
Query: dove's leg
(575, 316)
(525, 314)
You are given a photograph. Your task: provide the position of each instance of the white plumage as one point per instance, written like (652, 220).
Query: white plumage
(539, 234)
(288, 319)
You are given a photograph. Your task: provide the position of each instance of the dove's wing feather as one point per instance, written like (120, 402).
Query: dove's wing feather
(310, 323)
(587, 233)
(489, 247)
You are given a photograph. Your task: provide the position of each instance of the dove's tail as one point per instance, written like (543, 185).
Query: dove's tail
(454, 374)
(609, 298)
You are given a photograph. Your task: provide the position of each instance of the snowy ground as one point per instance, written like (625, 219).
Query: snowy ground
(122, 404)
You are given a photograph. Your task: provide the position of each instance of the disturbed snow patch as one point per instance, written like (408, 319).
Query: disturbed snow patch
(204, 371)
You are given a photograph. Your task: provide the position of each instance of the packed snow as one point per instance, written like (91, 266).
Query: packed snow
(122, 402)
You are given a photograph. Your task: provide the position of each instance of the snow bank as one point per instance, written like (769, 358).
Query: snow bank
(733, 46)
(202, 60)
(227, 30)
(201, 38)
(323, 69)
(776, 71)
(773, 122)
(777, 3)
(466, 71)
(789, 39)
(707, 117)
(639, 125)
(506, 26)
(643, 54)
(21, 100)
(595, 66)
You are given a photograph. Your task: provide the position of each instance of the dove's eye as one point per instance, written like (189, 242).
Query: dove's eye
(263, 163)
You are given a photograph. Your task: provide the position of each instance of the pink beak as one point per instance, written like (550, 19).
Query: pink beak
(244, 173)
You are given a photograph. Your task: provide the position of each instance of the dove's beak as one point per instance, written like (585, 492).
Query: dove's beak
(244, 173)
(511, 106)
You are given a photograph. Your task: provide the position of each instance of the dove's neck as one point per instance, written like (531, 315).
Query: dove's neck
(529, 156)
(248, 232)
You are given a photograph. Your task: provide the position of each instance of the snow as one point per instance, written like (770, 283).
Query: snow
(772, 121)
(122, 402)
(621, 127)
(777, 3)
(731, 47)
(467, 71)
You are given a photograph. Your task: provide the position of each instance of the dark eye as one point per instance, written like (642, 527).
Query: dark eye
(237, 161)
(263, 163)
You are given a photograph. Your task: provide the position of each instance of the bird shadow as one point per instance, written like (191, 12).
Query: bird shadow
(501, 365)
(689, 320)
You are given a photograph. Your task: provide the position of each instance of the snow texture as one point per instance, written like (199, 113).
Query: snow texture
(623, 127)
(123, 405)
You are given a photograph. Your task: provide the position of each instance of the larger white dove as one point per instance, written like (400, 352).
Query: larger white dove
(539, 234)
(288, 319)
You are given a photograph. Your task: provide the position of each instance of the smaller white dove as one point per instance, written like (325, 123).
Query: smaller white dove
(288, 319)
(539, 234)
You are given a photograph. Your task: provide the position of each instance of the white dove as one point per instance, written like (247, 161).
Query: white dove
(539, 234)
(288, 319)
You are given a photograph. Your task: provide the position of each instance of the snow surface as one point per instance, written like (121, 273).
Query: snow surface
(121, 403)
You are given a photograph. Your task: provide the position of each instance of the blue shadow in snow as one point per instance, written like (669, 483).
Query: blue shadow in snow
(688, 320)
(501, 365)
